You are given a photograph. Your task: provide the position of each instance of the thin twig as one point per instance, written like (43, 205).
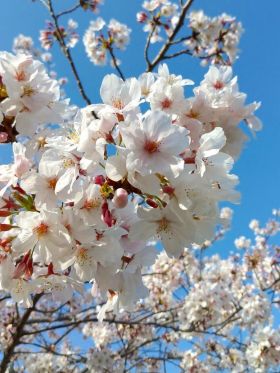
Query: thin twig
(16, 337)
(70, 10)
(44, 3)
(178, 41)
(115, 63)
(147, 46)
(67, 53)
(185, 51)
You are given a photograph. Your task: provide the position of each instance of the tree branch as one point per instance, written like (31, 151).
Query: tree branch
(178, 41)
(68, 11)
(18, 334)
(68, 55)
(161, 54)
(115, 63)
(185, 51)
(147, 46)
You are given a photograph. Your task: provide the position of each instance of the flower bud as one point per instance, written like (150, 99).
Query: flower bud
(120, 198)
(141, 17)
(3, 137)
(106, 216)
(99, 180)
(168, 190)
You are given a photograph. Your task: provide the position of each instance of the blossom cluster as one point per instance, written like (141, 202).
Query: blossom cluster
(91, 192)
(92, 5)
(158, 15)
(100, 38)
(214, 39)
(222, 310)
(50, 34)
(29, 97)
(25, 45)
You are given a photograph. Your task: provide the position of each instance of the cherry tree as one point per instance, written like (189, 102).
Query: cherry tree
(108, 211)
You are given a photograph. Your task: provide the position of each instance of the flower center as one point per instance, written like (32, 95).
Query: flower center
(118, 104)
(192, 114)
(68, 163)
(145, 91)
(162, 225)
(41, 229)
(20, 76)
(151, 146)
(52, 183)
(28, 91)
(91, 204)
(82, 256)
(166, 103)
(74, 136)
(41, 142)
(219, 84)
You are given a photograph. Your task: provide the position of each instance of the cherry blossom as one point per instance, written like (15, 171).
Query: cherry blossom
(100, 38)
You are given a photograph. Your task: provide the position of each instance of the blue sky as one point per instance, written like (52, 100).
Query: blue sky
(257, 69)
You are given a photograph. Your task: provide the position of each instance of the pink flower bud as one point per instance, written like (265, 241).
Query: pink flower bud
(120, 198)
(50, 269)
(141, 17)
(106, 216)
(168, 190)
(3, 137)
(99, 180)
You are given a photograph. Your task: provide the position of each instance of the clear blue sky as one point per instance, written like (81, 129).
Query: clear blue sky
(258, 70)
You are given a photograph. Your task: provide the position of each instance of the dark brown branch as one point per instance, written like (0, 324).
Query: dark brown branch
(5, 297)
(110, 321)
(115, 63)
(271, 286)
(178, 41)
(17, 336)
(185, 51)
(70, 10)
(161, 54)
(136, 348)
(68, 55)
(146, 51)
